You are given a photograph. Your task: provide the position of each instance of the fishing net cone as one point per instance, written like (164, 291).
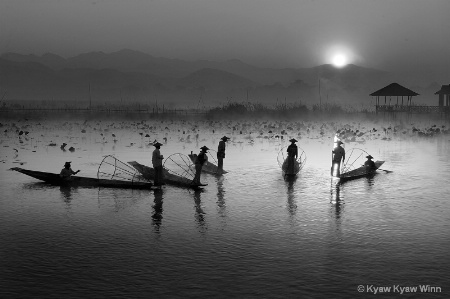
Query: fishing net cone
(180, 165)
(112, 168)
(354, 158)
(299, 163)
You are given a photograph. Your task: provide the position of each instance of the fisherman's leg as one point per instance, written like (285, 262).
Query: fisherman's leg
(157, 178)
(198, 169)
(291, 165)
(220, 163)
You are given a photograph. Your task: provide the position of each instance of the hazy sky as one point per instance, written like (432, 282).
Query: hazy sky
(385, 34)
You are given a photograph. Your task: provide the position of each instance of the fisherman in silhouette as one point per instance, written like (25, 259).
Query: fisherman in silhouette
(369, 164)
(221, 151)
(202, 159)
(338, 155)
(157, 164)
(67, 171)
(292, 152)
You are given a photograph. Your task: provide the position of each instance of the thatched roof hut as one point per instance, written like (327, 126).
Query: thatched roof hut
(394, 90)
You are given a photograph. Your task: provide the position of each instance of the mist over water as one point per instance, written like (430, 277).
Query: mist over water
(249, 233)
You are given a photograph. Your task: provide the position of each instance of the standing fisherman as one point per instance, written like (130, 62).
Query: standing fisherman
(292, 152)
(221, 151)
(157, 164)
(202, 158)
(337, 154)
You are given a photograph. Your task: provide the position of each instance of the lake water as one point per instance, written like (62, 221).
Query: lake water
(248, 234)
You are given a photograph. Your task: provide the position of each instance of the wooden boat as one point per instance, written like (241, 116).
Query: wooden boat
(359, 172)
(284, 168)
(209, 167)
(169, 178)
(55, 179)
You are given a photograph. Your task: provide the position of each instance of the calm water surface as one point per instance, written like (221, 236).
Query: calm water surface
(248, 234)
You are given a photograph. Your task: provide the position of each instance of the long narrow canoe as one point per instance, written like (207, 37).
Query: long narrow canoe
(55, 179)
(169, 178)
(359, 172)
(209, 167)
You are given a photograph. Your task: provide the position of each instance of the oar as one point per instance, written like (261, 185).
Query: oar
(387, 171)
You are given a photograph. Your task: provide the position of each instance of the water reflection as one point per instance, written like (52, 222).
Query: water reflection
(66, 194)
(221, 197)
(291, 204)
(199, 213)
(336, 200)
(157, 209)
(370, 181)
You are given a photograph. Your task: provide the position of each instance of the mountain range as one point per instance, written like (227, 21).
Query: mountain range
(132, 76)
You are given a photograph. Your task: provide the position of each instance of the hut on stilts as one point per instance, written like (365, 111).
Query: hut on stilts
(401, 95)
(444, 97)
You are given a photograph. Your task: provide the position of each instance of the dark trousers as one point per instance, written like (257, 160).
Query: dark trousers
(198, 171)
(290, 165)
(220, 162)
(158, 175)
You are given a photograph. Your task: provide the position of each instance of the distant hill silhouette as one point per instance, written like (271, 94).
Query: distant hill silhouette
(129, 75)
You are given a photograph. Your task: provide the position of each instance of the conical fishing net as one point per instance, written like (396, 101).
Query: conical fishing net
(299, 163)
(181, 166)
(354, 158)
(112, 168)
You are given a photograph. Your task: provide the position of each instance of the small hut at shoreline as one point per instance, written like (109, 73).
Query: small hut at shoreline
(396, 91)
(444, 96)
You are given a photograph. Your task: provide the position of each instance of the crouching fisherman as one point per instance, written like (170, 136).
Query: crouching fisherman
(67, 171)
(202, 159)
(369, 164)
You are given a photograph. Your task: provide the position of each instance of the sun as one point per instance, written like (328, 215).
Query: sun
(339, 60)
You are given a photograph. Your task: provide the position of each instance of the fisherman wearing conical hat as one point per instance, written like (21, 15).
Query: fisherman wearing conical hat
(292, 154)
(369, 163)
(338, 155)
(202, 159)
(157, 164)
(221, 151)
(67, 171)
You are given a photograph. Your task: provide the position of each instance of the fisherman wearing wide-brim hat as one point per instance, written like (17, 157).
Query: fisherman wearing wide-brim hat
(338, 155)
(67, 171)
(221, 152)
(157, 164)
(292, 154)
(201, 160)
(369, 163)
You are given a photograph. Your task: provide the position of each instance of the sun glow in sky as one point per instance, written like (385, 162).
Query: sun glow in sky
(301, 33)
(339, 60)
(339, 55)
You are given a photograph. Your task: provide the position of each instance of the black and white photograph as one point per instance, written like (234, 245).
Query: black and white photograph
(224, 149)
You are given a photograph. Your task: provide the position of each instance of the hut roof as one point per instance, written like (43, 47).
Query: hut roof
(445, 89)
(394, 89)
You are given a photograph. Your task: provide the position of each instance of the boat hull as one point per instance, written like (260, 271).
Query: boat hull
(359, 172)
(77, 181)
(209, 167)
(169, 178)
